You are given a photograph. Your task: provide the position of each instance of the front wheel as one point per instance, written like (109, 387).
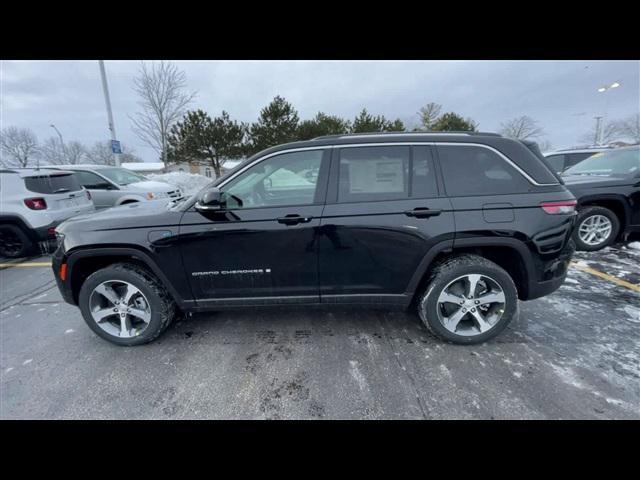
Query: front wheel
(126, 305)
(597, 227)
(468, 300)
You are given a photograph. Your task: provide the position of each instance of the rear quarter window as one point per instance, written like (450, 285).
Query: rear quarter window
(50, 184)
(472, 170)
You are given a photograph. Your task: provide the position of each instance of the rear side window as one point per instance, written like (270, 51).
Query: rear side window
(472, 170)
(50, 184)
(556, 162)
(385, 173)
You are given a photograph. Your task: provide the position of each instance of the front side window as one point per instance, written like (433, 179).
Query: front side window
(287, 179)
(472, 170)
(122, 176)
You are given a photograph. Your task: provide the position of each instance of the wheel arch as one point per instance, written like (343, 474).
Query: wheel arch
(82, 263)
(615, 203)
(510, 254)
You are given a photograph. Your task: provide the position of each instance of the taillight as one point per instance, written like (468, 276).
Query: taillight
(555, 208)
(35, 203)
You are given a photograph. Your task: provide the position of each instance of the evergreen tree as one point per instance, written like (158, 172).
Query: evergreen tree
(367, 123)
(202, 140)
(450, 122)
(322, 124)
(278, 123)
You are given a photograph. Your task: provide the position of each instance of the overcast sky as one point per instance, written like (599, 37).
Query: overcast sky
(561, 95)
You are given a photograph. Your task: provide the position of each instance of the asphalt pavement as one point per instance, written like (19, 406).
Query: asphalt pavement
(572, 355)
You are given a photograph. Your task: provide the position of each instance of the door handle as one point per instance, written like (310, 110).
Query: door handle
(423, 212)
(293, 219)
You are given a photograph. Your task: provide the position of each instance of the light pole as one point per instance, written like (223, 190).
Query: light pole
(604, 89)
(107, 101)
(64, 150)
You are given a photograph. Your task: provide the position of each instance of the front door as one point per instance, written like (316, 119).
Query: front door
(262, 249)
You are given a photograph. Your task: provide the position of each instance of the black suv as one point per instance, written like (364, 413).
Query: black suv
(607, 186)
(458, 225)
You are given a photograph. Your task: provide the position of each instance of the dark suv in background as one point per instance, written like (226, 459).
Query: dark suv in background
(607, 186)
(458, 226)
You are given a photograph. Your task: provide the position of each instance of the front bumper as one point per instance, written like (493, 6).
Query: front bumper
(57, 259)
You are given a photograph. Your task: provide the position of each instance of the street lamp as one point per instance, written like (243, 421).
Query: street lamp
(64, 150)
(601, 126)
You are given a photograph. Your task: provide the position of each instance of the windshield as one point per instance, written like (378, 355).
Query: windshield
(614, 162)
(121, 176)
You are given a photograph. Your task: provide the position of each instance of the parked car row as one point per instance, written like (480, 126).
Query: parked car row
(35, 200)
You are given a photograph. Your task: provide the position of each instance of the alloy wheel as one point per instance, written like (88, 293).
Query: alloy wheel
(595, 230)
(119, 308)
(471, 305)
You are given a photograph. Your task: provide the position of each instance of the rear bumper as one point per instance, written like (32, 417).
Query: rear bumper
(554, 274)
(46, 232)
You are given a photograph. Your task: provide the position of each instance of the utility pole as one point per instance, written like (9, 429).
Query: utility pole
(107, 101)
(598, 137)
(64, 150)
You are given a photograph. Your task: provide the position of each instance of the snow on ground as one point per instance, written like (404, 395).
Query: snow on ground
(189, 183)
(634, 245)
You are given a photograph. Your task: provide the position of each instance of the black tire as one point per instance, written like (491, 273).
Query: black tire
(587, 212)
(449, 270)
(163, 308)
(14, 243)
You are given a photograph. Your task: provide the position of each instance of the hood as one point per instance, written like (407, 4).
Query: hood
(579, 181)
(131, 215)
(150, 186)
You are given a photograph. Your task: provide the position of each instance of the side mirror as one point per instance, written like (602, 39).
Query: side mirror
(210, 201)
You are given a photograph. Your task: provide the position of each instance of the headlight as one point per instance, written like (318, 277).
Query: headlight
(156, 195)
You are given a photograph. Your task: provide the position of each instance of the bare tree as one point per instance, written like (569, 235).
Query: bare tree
(163, 100)
(54, 152)
(630, 127)
(101, 154)
(610, 132)
(18, 146)
(428, 115)
(544, 145)
(521, 128)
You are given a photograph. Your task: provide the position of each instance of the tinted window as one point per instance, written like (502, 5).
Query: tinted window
(423, 180)
(122, 176)
(60, 183)
(556, 162)
(575, 158)
(92, 181)
(373, 173)
(471, 170)
(287, 179)
(613, 162)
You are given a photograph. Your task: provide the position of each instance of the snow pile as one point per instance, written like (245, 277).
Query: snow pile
(189, 183)
(634, 245)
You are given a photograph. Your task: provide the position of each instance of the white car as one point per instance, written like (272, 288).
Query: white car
(113, 186)
(33, 202)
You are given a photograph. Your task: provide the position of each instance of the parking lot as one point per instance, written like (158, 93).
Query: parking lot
(573, 355)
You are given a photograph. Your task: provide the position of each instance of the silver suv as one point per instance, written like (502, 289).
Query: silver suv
(32, 203)
(113, 186)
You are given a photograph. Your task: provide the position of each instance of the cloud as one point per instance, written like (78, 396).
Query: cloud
(35, 94)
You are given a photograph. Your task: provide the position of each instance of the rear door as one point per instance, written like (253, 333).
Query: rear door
(383, 214)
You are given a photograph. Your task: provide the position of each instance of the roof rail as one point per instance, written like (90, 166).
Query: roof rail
(374, 134)
(6, 170)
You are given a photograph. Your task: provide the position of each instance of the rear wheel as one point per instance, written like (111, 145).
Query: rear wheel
(14, 242)
(596, 228)
(126, 305)
(468, 300)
